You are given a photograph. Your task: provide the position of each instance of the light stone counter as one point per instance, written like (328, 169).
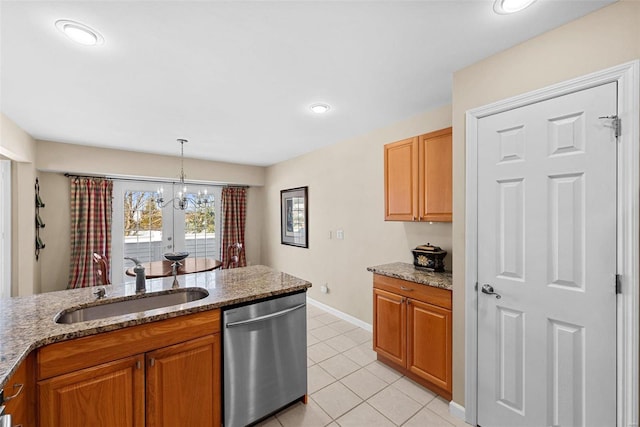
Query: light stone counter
(406, 271)
(27, 323)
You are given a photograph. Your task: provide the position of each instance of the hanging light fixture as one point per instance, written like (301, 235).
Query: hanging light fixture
(180, 200)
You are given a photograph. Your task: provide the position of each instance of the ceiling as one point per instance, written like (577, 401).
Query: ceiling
(236, 78)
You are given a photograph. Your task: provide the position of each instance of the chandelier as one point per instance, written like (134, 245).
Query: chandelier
(182, 198)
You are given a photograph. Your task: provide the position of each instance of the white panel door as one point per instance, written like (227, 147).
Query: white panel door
(547, 246)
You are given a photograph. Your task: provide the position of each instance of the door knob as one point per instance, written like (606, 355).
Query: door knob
(488, 289)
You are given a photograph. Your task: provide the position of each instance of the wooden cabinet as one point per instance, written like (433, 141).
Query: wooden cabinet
(164, 373)
(181, 378)
(401, 180)
(391, 317)
(109, 394)
(429, 342)
(19, 393)
(412, 329)
(418, 178)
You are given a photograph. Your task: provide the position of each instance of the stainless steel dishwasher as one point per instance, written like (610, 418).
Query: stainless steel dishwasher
(265, 358)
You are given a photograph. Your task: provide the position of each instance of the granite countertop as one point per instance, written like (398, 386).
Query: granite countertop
(406, 271)
(27, 323)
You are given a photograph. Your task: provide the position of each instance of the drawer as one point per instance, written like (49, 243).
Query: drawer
(69, 356)
(425, 293)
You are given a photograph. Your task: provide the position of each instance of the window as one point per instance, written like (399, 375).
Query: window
(145, 231)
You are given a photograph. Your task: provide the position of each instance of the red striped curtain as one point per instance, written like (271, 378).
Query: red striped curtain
(91, 212)
(234, 217)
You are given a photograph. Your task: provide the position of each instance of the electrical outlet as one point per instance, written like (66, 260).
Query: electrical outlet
(340, 234)
(324, 289)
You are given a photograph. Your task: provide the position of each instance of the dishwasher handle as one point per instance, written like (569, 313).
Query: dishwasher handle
(265, 317)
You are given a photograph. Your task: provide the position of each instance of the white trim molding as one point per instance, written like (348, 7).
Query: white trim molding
(341, 315)
(5, 228)
(627, 76)
(456, 410)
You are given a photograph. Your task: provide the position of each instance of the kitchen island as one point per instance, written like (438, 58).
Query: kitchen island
(28, 323)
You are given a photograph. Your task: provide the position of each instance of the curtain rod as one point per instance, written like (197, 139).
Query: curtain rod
(165, 181)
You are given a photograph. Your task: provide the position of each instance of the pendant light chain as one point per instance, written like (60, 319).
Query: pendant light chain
(180, 199)
(182, 175)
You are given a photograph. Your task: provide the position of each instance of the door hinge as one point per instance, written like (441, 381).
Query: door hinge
(616, 124)
(618, 284)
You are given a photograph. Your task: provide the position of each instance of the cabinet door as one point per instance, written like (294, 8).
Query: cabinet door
(183, 384)
(107, 395)
(429, 342)
(435, 176)
(19, 394)
(389, 326)
(401, 180)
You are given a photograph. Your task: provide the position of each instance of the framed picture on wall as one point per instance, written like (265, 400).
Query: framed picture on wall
(294, 217)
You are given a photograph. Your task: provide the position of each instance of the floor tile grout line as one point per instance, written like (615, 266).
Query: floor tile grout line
(374, 408)
(438, 415)
(409, 396)
(357, 331)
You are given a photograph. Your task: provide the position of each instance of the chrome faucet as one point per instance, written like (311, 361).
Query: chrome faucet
(174, 272)
(100, 293)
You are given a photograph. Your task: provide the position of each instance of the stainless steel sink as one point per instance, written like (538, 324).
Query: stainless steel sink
(128, 306)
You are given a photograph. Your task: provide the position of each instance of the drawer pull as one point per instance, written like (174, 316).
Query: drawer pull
(404, 288)
(19, 387)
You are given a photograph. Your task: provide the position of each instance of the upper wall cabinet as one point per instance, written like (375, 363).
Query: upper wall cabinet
(418, 178)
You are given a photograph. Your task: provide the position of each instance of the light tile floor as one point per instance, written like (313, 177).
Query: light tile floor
(349, 387)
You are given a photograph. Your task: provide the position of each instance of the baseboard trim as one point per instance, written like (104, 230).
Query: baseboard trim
(457, 410)
(341, 315)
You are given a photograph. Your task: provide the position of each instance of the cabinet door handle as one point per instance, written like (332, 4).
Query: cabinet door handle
(16, 394)
(404, 288)
(408, 301)
(138, 364)
(152, 361)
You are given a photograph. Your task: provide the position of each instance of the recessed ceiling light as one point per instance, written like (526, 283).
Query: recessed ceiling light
(505, 7)
(319, 108)
(79, 33)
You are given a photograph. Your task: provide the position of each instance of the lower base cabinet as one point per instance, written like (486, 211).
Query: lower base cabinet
(20, 394)
(110, 394)
(183, 384)
(429, 343)
(174, 379)
(412, 328)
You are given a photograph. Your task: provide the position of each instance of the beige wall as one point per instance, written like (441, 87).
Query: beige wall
(603, 39)
(15, 144)
(346, 192)
(18, 146)
(57, 158)
(79, 159)
(54, 258)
